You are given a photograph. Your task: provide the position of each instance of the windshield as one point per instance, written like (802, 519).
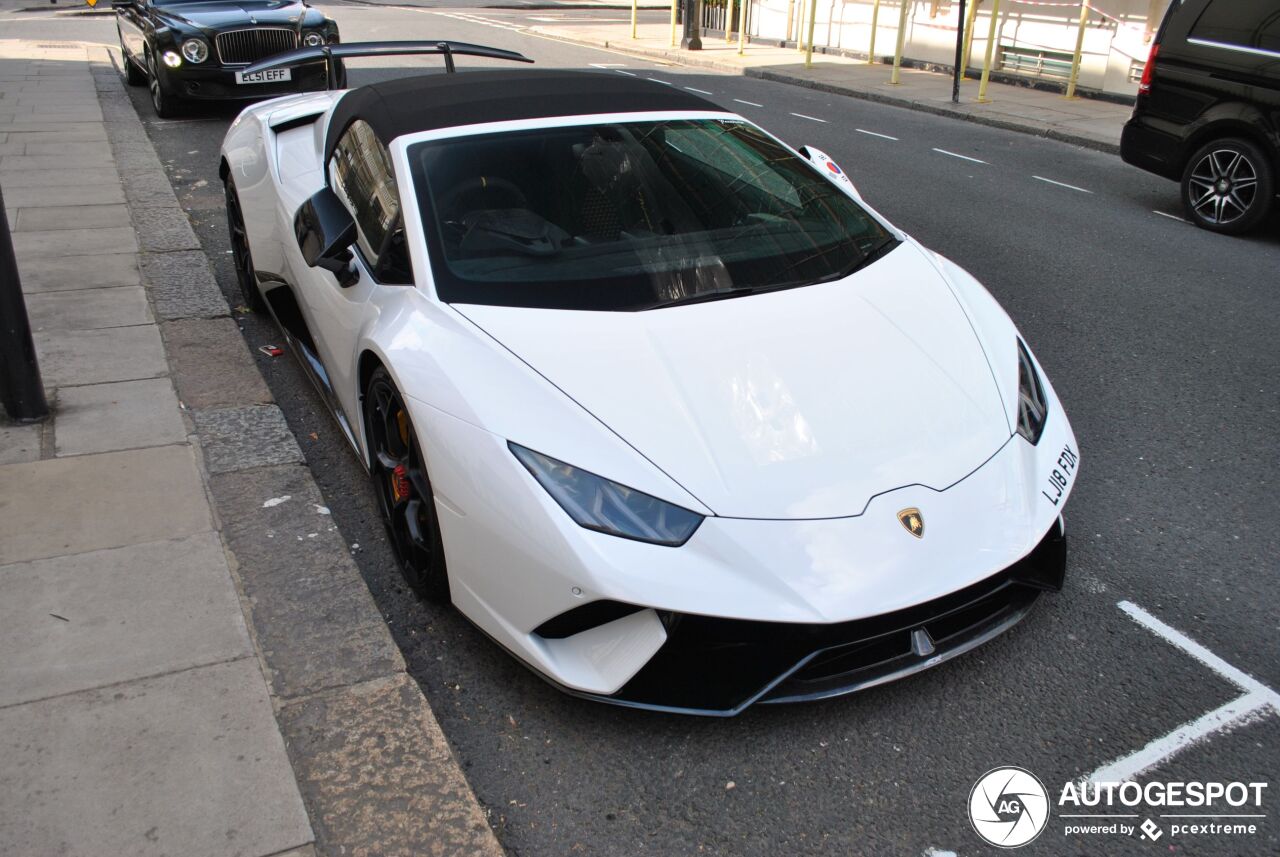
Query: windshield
(632, 216)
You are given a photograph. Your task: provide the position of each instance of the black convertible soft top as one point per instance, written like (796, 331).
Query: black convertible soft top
(428, 102)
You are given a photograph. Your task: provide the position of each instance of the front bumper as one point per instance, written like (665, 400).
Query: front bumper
(718, 667)
(218, 83)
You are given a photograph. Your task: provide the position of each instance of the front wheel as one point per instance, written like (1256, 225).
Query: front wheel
(1228, 186)
(166, 105)
(404, 491)
(241, 257)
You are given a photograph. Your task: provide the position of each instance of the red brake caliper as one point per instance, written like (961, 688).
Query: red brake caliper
(400, 482)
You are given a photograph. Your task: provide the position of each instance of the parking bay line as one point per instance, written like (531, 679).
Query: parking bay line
(875, 134)
(699, 91)
(810, 118)
(748, 103)
(1255, 702)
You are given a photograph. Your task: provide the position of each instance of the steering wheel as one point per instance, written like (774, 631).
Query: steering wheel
(480, 186)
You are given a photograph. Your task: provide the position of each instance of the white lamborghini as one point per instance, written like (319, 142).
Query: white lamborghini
(657, 401)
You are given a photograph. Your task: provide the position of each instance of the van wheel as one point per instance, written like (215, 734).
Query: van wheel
(1228, 186)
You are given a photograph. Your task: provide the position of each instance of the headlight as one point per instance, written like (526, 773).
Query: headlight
(312, 40)
(171, 59)
(608, 507)
(1033, 407)
(195, 50)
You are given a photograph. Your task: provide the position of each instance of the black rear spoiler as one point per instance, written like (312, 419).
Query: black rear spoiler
(329, 53)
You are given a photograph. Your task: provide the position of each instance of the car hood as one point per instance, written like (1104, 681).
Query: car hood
(798, 404)
(218, 15)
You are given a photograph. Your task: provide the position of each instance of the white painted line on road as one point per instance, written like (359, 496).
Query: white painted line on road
(748, 103)
(1258, 701)
(961, 157)
(1171, 216)
(1234, 713)
(810, 118)
(627, 73)
(663, 82)
(1236, 676)
(606, 64)
(699, 91)
(1061, 184)
(875, 134)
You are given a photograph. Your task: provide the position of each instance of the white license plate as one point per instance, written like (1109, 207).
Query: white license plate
(271, 75)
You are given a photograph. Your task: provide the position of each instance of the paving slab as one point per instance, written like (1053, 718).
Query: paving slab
(241, 438)
(374, 757)
(189, 763)
(91, 132)
(88, 309)
(14, 163)
(50, 217)
(73, 505)
(74, 242)
(19, 443)
(58, 273)
(210, 364)
(315, 622)
(66, 177)
(73, 623)
(98, 356)
(147, 187)
(33, 197)
(126, 415)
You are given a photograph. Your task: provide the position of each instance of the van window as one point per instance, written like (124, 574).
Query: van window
(1246, 23)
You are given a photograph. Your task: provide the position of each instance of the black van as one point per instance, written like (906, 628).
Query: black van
(1208, 109)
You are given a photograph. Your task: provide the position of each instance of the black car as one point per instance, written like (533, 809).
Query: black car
(198, 49)
(1208, 110)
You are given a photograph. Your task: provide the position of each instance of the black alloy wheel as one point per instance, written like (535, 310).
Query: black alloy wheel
(165, 105)
(1227, 186)
(404, 491)
(241, 257)
(133, 75)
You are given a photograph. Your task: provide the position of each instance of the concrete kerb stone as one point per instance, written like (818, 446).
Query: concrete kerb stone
(338, 679)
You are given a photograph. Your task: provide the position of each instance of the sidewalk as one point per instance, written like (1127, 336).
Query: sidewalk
(1083, 121)
(189, 661)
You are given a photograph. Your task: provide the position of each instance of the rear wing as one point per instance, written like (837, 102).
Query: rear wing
(328, 53)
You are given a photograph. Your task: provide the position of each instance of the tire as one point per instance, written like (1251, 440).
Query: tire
(1228, 186)
(404, 491)
(166, 105)
(241, 255)
(133, 75)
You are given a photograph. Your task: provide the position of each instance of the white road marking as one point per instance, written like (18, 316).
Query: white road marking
(961, 157)
(1171, 216)
(875, 134)
(663, 82)
(748, 103)
(1061, 184)
(627, 73)
(699, 91)
(810, 118)
(607, 64)
(1258, 701)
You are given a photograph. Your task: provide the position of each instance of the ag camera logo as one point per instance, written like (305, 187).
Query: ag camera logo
(1009, 807)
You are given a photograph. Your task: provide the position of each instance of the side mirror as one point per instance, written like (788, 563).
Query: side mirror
(325, 231)
(822, 163)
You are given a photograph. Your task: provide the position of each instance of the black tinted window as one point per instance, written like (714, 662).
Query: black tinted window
(360, 174)
(1247, 23)
(631, 216)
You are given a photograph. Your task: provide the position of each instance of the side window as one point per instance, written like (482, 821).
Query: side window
(360, 174)
(1247, 23)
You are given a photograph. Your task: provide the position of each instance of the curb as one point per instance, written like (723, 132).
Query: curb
(676, 57)
(375, 771)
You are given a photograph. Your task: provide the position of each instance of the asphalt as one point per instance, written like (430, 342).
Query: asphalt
(1158, 337)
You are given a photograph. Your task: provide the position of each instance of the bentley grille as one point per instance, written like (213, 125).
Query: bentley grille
(241, 47)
